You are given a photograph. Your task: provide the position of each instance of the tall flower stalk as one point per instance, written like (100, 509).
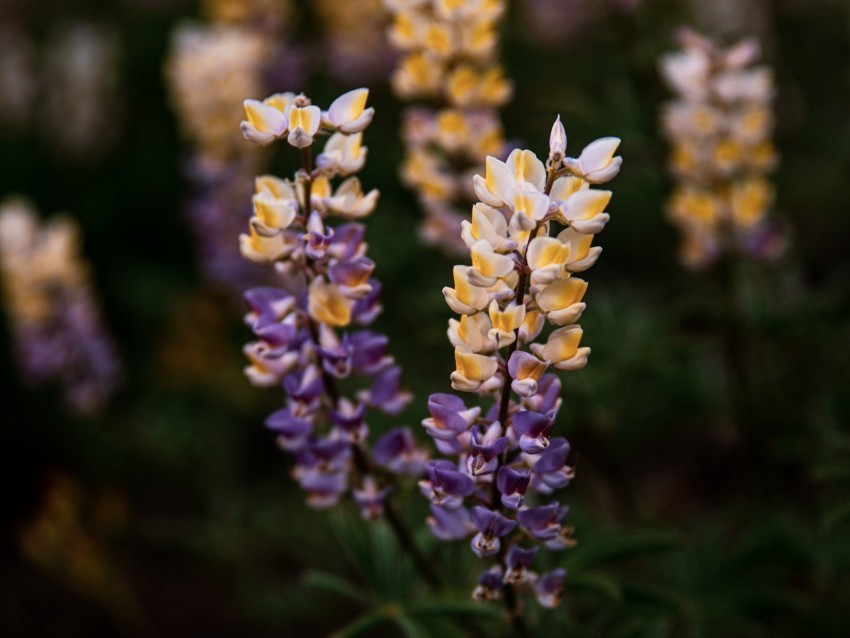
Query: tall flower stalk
(53, 311)
(448, 59)
(719, 127)
(531, 231)
(312, 327)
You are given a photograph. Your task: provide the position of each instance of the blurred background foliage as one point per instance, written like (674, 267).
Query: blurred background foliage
(705, 505)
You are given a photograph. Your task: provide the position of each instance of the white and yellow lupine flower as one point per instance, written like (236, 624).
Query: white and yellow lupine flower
(487, 224)
(472, 369)
(582, 254)
(597, 163)
(348, 113)
(547, 257)
(266, 121)
(487, 265)
(272, 214)
(531, 326)
(561, 301)
(525, 370)
(266, 371)
(719, 128)
(562, 350)
(465, 298)
(349, 202)
(261, 248)
(473, 332)
(505, 322)
(418, 75)
(584, 210)
(326, 304)
(302, 123)
(522, 171)
(343, 154)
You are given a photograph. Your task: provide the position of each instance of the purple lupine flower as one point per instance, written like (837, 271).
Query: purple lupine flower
(305, 385)
(534, 429)
(350, 417)
(267, 302)
(318, 237)
(489, 584)
(335, 352)
(449, 416)
(512, 485)
(446, 485)
(397, 451)
(549, 588)
(450, 524)
(292, 431)
(370, 497)
(550, 468)
(386, 393)
(324, 488)
(518, 560)
(352, 277)
(367, 308)
(490, 525)
(369, 352)
(486, 445)
(347, 242)
(545, 524)
(548, 397)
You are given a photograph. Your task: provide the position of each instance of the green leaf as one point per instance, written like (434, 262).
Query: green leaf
(411, 628)
(836, 517)
(622, 546)
(460, 608)
(597, 583)
(336, 585)
(361, 624)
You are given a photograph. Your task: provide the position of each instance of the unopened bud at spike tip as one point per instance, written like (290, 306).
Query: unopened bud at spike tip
(557, 139)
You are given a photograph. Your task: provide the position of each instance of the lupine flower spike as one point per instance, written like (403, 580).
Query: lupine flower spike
(59, 335)
(719, 127)
(449, 57)
(240, 51)
(530, 234)
(312, 327)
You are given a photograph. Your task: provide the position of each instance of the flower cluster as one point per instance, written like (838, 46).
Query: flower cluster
(448, 57)
(719, 126)
(305, 327)
(351, 51)
(210, 67)
(53, 314)
(82, 73)
(506, 459)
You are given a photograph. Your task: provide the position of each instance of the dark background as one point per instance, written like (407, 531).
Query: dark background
(172, 512)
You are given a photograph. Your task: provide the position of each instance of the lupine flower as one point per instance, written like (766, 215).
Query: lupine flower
(305, 326)
(549, 588)
(448, 56)
(719, 127)
(521, 278)
(210, 68)
(58, 333)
